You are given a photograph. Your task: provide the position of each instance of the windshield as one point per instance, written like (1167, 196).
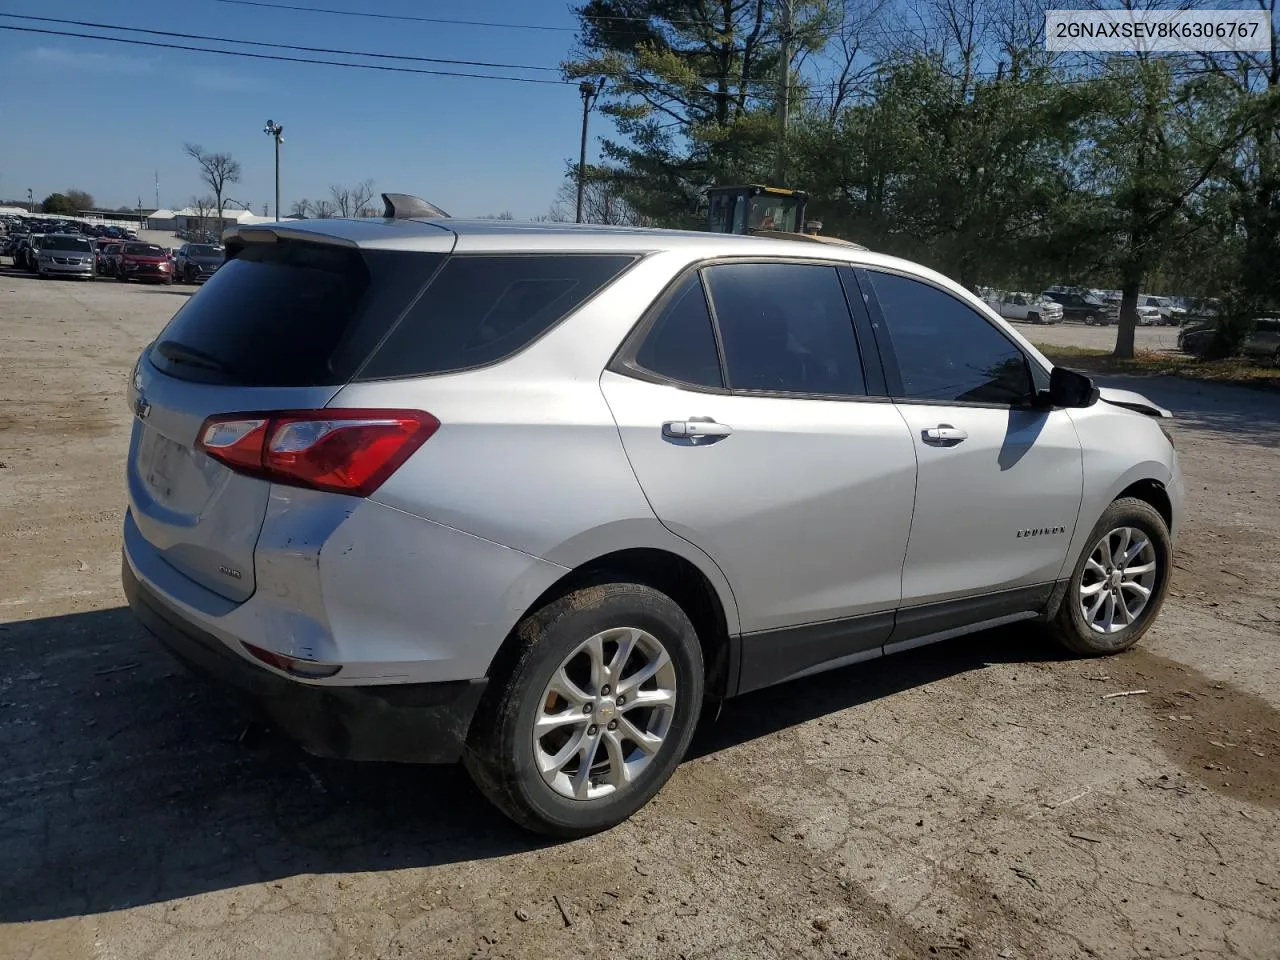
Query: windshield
(203, 250)
(67, 243)
(766, 212)
(143, 250)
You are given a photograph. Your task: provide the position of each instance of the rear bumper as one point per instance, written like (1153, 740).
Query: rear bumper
(411, 723)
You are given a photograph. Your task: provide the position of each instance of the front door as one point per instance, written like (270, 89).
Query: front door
(999, 482)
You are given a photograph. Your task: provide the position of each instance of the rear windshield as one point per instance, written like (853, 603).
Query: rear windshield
(482, 309)
(294, 314)
(143, 250)
(67, 243)
(272, 316)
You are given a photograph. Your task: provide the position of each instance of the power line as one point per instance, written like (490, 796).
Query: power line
(397, 16)
(385, 68)
(281, 46)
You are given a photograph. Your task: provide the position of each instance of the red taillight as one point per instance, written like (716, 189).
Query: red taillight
(341, 451)
(310, 669)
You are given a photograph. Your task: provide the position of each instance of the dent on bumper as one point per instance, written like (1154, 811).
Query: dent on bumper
(412, 723)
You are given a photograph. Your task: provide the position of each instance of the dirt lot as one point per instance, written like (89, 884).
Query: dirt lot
(1097, 338)
(976, 799)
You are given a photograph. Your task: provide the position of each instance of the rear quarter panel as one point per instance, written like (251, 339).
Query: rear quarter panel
(528, 454)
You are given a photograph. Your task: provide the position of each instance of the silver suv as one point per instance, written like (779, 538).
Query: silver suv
(528, 495)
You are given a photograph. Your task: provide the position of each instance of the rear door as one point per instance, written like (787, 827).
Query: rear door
(757, 439)
(282, 326)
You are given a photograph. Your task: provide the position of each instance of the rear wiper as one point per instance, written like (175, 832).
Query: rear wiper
(181, 353)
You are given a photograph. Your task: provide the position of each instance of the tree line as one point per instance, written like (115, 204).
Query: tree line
(942, 131)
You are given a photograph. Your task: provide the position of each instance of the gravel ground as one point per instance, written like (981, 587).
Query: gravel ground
(1097, 338)
(979, 798)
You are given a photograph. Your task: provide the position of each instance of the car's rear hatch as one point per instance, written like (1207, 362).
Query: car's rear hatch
(282, 326)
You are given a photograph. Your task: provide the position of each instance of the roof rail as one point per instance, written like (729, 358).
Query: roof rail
(401, 206)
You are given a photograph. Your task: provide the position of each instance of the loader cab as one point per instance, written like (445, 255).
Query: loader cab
(754, 209)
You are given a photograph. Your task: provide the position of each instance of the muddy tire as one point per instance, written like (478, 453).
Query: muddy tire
(592, 712)
(1119, 582)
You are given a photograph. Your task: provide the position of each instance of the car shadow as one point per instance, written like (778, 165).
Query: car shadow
(125, 781)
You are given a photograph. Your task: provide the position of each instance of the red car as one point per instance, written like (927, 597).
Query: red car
(143, 261)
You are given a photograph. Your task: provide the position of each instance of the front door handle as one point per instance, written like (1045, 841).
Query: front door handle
(695, 428)
(944, 435)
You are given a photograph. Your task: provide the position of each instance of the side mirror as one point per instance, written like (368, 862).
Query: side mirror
(1068, 388)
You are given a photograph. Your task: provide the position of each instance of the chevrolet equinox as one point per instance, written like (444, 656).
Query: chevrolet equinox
(528, 495)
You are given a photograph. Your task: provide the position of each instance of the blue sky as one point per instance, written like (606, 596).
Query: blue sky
(109, 116)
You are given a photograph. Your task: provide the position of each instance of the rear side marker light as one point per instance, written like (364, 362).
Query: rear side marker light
(348, 451)
(307, 669)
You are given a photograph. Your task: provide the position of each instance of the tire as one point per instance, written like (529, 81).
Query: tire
(501, 753)
(1070, 625)
(1033, 318)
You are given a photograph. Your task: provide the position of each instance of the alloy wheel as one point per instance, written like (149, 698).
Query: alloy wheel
(605, 714)
(1118, 580)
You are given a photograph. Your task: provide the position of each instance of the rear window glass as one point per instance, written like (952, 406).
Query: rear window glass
(482, 309)
(290, 314)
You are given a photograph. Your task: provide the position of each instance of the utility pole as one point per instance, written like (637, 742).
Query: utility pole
(157, 189)
(274, 130)
(784, 89)
(139, 213)
(590, 92)
(31, 202)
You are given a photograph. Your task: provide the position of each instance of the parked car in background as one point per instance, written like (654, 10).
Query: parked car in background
(800, 456)
(106, 258)
(65, 255)
(12, 241)
(1196, 338)
(1027, 307)
(197, 262)
(1264, 341)
(1078, 306)
(1171, 315)
(143, 261)
(1148, 316)
(29, 251)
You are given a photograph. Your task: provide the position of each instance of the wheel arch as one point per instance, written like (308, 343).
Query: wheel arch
(1146, 488)
(708, 604)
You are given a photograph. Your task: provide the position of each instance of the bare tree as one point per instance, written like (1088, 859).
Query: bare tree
(350, 201)
(323, 210)
(852, 56)
(301, 208)
(601, 203)
(203, 208)
(216, 169)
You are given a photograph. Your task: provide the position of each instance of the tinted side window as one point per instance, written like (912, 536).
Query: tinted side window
(787, 327)
(946, 350)
(481, 309)
(681, 345)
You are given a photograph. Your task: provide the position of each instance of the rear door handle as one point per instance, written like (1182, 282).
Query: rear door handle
(944, 435)
(694, 428)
